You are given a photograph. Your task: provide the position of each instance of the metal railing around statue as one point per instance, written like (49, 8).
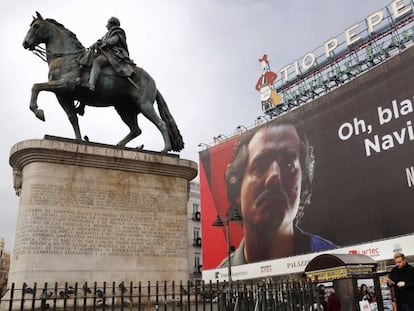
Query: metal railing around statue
(243, 296)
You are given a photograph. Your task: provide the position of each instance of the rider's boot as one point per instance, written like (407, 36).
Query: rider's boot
(93, 77)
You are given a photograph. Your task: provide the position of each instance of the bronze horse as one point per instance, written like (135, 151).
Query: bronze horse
(129, 98)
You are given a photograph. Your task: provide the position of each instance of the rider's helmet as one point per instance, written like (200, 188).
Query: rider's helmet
(113, 21)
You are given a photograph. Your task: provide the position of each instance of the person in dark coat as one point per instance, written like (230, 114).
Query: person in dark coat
(401, 278)
(321, 296)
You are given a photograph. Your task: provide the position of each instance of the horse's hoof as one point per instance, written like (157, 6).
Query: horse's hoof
(80, 110)
(40, 114)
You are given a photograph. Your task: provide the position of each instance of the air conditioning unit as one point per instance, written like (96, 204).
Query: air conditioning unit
(197, 216)
(197, 242)
(198, 269)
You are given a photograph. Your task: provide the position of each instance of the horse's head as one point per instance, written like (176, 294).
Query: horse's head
(39, 32)
(57, 38)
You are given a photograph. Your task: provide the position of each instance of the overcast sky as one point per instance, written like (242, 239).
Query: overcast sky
(202, 54)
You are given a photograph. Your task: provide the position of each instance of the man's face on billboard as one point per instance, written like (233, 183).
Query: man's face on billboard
(271, 184)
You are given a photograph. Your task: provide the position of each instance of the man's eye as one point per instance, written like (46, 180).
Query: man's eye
(258, 169)
(289, 166)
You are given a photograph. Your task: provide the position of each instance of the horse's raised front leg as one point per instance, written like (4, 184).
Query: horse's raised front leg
(50, 86)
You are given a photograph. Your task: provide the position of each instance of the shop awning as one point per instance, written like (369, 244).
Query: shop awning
(327, 267)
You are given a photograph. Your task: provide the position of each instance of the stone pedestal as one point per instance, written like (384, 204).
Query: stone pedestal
(91, 212)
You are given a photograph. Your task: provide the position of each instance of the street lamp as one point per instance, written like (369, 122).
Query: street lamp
(203, 145)
(230, 216)
(261, 119)
(219, 138)
(240, 129)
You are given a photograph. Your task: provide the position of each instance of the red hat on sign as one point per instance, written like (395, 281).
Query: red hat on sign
(264, 58)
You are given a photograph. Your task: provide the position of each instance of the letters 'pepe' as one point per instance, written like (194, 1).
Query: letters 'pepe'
(115, 79)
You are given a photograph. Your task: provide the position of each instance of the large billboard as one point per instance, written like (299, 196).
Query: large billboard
(361, 136)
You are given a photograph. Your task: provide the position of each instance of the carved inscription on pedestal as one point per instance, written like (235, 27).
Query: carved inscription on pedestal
(68, 220)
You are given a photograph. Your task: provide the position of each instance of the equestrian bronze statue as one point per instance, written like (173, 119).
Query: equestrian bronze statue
(115, 81)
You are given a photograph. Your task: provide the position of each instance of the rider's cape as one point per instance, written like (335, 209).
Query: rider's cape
(118, 56)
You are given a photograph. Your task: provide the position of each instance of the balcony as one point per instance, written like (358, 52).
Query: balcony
(196, 216)
(198, 269)
(197, 242)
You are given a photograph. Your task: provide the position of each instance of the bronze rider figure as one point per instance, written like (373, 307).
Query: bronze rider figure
(111, 50)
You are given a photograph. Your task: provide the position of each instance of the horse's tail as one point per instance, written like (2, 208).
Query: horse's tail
(177, 143)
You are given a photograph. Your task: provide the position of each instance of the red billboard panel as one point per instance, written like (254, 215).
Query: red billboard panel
(336, 172)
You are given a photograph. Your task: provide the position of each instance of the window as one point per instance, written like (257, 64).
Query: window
(197, 260)
(197, 237)
(196, 232)
(197, 263)
(196, 207)
(196, 212)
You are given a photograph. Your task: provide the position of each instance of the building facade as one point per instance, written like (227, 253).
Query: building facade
(4, 267)
(194, 232)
